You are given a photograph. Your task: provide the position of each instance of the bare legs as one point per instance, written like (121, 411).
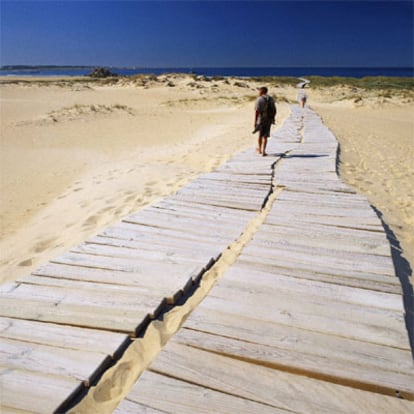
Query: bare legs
(261, 147)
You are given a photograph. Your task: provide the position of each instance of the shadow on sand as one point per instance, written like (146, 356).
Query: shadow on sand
(403, 271)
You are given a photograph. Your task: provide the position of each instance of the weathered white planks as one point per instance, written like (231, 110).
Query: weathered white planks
(59, 336)
(50, 360)
(33, 392)
(70, 318)
(198, 399)
(180, 366)
(310, 319)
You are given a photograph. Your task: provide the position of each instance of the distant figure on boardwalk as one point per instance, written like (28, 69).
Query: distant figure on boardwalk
(265, 113)
(302, 97)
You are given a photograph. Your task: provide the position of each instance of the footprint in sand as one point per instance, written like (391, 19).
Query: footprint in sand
(26, 263)
(119, 211)
(43, 245)
(90, 221)
(104, 210)
(129, 198)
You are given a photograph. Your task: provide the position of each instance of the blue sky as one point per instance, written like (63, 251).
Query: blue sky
(207, 33)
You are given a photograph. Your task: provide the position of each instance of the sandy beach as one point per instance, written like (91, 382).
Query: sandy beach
(80, 155)
(376, 135)
(77, 156)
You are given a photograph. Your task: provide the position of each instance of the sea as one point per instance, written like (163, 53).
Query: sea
(236, 71)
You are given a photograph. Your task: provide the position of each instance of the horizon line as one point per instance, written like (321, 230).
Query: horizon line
(207, 67)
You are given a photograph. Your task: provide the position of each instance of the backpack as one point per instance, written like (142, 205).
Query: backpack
(270, 109)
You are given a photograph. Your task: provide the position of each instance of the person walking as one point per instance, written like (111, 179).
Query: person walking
(265, 114)
(302, 97)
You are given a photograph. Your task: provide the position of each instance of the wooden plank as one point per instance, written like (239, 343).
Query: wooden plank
(380, 326)
(343, 200)
(134, 231)
(196, 227)
(8, 287)
(125, 264)
(128, 406)
(239, 277)
(164, 278)
(307, 264)
(247, 204)
(179, 205)
(325, 258)
(165, 218)
(232, 186)
(84, 315)
(324, 236)
(182, 248)
(105, 307)
(312, 365)
(335, 221)
(62, 337)
(262, 179)
(49, 360)
(182, 251)
(167, 257)
(374, 243)
(337, 351)
(314, 186)
(192, 212)
(197, 399)
(210, 188)
(100, 294)
(277, 389)
(42, 393)
(371, 282)
(299, 208)
(145, 291)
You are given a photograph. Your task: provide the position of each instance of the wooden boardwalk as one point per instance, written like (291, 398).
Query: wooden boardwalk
(308, 320)
(67, 322)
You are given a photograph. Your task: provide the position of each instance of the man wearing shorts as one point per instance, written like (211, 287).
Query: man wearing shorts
(263, 120)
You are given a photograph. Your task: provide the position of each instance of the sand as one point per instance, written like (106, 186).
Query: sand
(377, 158)
(76, 156)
